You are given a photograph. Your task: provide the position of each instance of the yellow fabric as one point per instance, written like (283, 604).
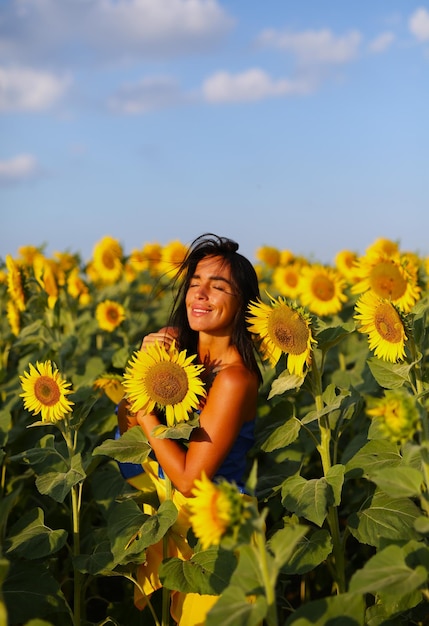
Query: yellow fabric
(186, 609)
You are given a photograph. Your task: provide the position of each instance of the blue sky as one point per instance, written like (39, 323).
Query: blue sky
(301, 125)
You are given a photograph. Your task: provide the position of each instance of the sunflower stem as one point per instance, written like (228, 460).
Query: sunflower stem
(324, 449)
(268, 586)
(166, 592)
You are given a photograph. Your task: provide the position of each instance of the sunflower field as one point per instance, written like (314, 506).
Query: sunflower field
(336, 526)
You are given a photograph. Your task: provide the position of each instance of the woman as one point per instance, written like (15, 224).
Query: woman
(209, 320)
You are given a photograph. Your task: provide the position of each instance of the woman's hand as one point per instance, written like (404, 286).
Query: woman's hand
(165, 336)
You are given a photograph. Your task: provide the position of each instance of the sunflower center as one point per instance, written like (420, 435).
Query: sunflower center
(108, 260)
(323, 288)
(387, 281)
(291, 279)
(112, 314)
(388, 323)
(288, 330)
(167, 383)
(47, 391)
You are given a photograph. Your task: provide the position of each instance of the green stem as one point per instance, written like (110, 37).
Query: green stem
(268, 586)
(166, 592)
(77, 606)
(324, 449)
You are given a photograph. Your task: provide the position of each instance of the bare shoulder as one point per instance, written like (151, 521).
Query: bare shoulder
(236, 375)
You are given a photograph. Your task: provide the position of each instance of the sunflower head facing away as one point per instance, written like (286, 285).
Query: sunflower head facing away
(45, 392)
(283, 329)
(111, 384)
(396, 415)
(215, 510)
(169, 380)
(381, 321)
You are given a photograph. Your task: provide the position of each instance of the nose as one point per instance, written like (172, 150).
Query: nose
(201, 292)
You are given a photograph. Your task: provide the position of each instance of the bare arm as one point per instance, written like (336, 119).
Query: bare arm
(231, 401)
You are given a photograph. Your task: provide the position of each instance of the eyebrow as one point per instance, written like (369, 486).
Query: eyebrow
(221, 278)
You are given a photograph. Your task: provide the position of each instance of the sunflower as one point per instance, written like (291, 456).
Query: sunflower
(396, 415)
(268, 255)
(345, 262)
(14, 283)
(45, 274)
(283, 328)
(13, 317)
(389, 277)
(109, 315)
(76, 286)
(381, 321)
(385, 246)
(106, 266)
(111, 384)
(286, 279)
(157, 378)
(322, 290)
(172, 257)
(215, 510)
(45, 391)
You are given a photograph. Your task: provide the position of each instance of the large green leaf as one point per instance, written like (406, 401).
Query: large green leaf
(131, 447)
(207, 572)
(385, 518)
(373, 456)
(309, 552)
(31, 591)
(310, 499)
(284, 435)
(389, 571)
(389, 375)
(282, 543)
(32, 539)
(57, 485)
(399, 482)
(235, 609)
(346, 609)
(131, 531)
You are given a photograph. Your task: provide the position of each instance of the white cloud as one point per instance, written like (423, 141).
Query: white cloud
(419, 24)
(314, 47)
(24, 89)
(254, 84)
(117, 29)
(146, 95)
(381, 43)
(18, 169)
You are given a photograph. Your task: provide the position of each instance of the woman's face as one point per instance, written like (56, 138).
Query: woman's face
(211, 300)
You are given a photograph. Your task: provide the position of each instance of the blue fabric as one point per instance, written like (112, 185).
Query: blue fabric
(234, 466)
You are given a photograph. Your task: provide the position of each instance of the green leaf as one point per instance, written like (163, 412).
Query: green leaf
(25, 599)
(330, 336)
(389, 375)
(389, 572)
(180, 431)
(285, 382)
(286, 434)
(346, 609)
(386, 518)
(234, 609)
(131, 531)
(207, 572)
(57, 485)
(335, 478)
(131, 447)
(283, 542)
(373, 456)
(308, 498)
(400, 482)
(334, 403)
(309, 553)
(101, 561)
(30, 538)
